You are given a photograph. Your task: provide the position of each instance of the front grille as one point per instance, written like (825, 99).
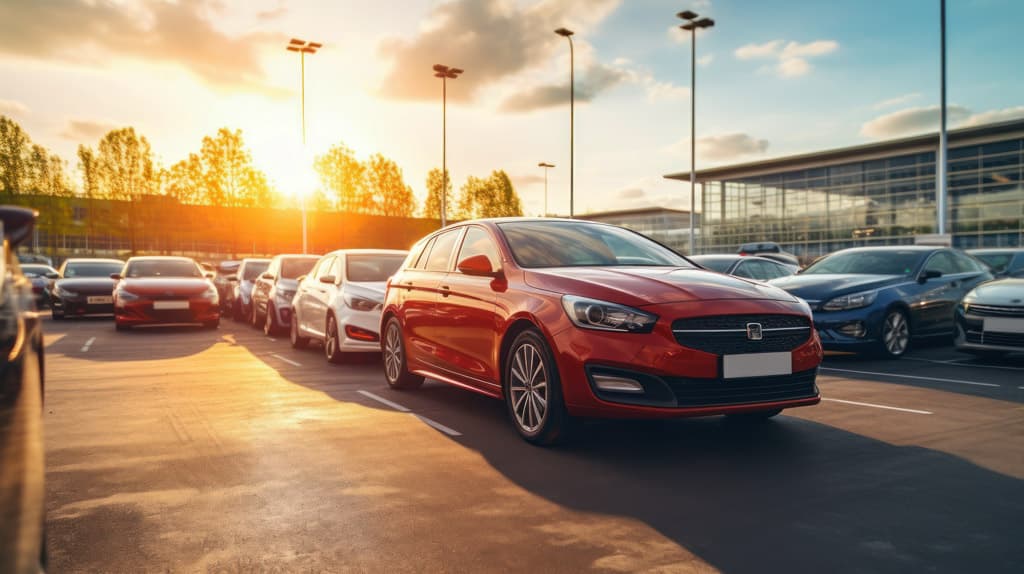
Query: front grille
(727, 334)
(714, 392)
(994, 311)
(994, 338)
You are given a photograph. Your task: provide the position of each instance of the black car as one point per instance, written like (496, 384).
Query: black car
(1004, 261)
(746, 266)
(83, 287)
(38, 274)
(21, 406)
(223, 280)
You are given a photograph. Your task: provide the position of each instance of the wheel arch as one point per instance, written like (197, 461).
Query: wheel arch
(517, 326)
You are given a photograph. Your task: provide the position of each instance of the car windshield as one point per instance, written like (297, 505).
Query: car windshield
(227, 267)
(253, 269)
(92, 269)
(296, 267)
(997, 261)
(36, 270)
(720, 264)
(372, 267)
(163, 268)
(880, 262)
(581, 244)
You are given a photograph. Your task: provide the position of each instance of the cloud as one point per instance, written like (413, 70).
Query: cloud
(595, 80)
(274, 13)
(630, 193)
(722, 147)
(898, 100)
(912, 120)
(492, 40)
(705, 60)
(13, 108)
(89, 32)
(994, 116)
(790, 57)
(86, 130)
(526, 180)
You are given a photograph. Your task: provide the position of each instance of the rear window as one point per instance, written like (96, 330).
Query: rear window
(997, 261)
(253, 269)
(163, 268)
(372, 267)
(294, 268)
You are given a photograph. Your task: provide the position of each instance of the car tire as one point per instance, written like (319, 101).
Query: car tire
(396, 369)
(298, 341)
(270, 326)
(895, 335)
(332, 342)
(533, 390)
(754, 417)
(55, 315)
(236, 310)
(121, 327)
(254, 316)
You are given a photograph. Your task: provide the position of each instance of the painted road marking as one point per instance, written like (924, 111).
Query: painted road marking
(384, 401)
(917, 412)
(428, 421)
(964, 363)
(934, 379)
(85, 347)
(446, 430)
(289, 361)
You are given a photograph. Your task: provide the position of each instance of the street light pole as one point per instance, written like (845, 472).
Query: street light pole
(303, 47)
(545, 165)
(940, 172)
(567, 33)
(444, 72)
(691, 26)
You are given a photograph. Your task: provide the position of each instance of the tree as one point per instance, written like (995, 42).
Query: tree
(229, 177)
(491, 197)
(14, 151)
(185, 181)
(125, 169)
(88, 165)
(432, 205)
(391, 195)
(48, 182)
(344, 176)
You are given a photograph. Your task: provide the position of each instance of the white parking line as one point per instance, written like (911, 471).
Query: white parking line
(446, 430)
(964, 363)
(428, 421)
(85, 347)
(934, 379)
(384, 401)
(289, 361)
(917, 412)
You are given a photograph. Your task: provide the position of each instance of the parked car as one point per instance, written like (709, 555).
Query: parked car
(748, 267)
(38, 274)
(769, 249)
(877, 299)
(1005, 262)
(241, 293)
(339, 302)
(223, 279)
(35, 258)
(569, 318)
(164, 290)
(274, 289)
(83, 287)
(990, 319)
(22, 512)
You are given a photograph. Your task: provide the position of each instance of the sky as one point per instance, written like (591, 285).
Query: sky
(774, 78)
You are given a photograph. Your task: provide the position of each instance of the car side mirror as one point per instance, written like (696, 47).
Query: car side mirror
(267, 275)
(53, 275)
(233, 278)
(929, 274)
(331, 279)
(477, 266)
(116, 276)
(210, 275)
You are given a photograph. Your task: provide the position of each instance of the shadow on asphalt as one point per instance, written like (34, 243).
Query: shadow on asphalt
(161, 341)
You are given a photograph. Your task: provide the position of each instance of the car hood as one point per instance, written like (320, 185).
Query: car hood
(639, 286)
(84, 284)
(1005, 292)
(165, 285)
(827, 285)
(372, 290)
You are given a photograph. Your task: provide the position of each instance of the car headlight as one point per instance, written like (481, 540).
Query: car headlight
(211, 294)
(123, 296)
(361, 303)
(852, 301)
(605, 316)
(63, 293)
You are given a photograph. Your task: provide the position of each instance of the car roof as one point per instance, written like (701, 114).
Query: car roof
(92, 260)
(994, 250)
(368, 252)
(722, 257)
(160, 258)
(256, 260)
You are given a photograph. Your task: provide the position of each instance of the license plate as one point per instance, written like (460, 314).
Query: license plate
(170, 304)
(1003, 325)
(99, 300)
(757, 365)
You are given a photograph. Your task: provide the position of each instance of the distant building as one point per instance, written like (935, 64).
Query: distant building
(875, 194)
(668, 226)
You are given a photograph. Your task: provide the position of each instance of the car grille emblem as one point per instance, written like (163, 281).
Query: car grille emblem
(754, 332)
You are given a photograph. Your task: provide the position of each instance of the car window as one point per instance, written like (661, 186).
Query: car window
(373, 268)
(441, 252)
(720, 264)
(868, 262)
(252, 269)
(294, 267)
(163, 268)
(942, 262)
(421, 259)
(745, 269)
(335, 269)
(580, 244)
(966, 264)
(479, 242)
(92, 269)
(775, 270)
(273, 267)
(323, 268)
(997, 261)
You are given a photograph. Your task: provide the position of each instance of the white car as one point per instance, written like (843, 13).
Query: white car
(339, 302)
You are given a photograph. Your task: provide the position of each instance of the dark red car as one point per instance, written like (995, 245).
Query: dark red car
(164, 290)
(564, 319)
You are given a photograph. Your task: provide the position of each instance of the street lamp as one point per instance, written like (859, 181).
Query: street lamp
(692, 23)
(303, 47)
(941, 164)
(445, 73)
(545, 165)
(567, 33)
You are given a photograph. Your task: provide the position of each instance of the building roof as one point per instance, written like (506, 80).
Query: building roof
(632, 212)
(928, 142)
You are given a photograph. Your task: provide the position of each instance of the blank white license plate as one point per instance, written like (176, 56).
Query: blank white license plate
(170, 304)
(1003, 325)
(99, 300)
(756, 365)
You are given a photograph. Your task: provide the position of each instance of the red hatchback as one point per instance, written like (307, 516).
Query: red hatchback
(565, 318)
(164, 290)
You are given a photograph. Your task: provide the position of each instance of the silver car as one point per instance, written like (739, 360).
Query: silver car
(990, 319)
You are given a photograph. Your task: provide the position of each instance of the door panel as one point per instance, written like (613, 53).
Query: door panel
(420, 313)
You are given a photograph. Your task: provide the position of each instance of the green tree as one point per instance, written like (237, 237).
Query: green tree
(391, 195)
(229, 177)
(494, 196)
(344, 176)
(14, 153)
(185, 181)
(432, 205)
(48, 182)
(88, 166)
(125, 169)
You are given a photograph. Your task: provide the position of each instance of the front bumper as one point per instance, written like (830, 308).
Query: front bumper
(79, 306)
(358, 330)
(141, 312)
(836, 328)
(970, 334)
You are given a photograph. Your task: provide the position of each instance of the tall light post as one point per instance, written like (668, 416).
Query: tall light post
(303, 47)
(692, 23)
(445, 73)
(567, 33)
(546, 166)
(940, 172)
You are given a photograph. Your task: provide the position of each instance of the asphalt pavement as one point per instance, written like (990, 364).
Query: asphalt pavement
(186, 450)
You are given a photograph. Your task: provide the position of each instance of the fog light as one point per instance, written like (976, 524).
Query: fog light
(360, 334)
(617, 384)
(853, 329)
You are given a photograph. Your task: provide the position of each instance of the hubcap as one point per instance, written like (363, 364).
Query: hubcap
(332, 338)
(529, 388)
(896, 333)
(393, 353)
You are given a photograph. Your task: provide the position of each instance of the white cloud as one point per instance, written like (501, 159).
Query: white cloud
(790, 57)
(792, 67)
(995, 116)
(86, 130)
(13, 108)
(722, 147)
(810, 49)
(754, 51)
(705, 60)
(897, 101)
(925, 119)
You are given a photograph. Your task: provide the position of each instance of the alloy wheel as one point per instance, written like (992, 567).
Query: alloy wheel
(331, 344)
(896, 333)
(529, 388)
(393, 352)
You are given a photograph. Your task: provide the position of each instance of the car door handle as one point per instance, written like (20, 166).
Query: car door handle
(445, 290)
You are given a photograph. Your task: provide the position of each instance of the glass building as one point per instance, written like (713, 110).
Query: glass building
(876, 194)
(669, 227)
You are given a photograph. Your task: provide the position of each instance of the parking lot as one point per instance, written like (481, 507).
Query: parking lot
(226, 451)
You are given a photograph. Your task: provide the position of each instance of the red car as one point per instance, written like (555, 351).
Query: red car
(564, 319)
(164, 290)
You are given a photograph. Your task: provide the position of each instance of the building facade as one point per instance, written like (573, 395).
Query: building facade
(670, 227)
(876, 194)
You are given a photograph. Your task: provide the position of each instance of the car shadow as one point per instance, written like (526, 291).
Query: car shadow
(162, 341)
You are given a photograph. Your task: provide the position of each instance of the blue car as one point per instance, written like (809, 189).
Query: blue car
(876, 299)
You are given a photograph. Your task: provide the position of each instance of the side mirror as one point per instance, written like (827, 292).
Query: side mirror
(331, 279)
(267, 275)
(929, 274)
(233, 278)
(478, 266)
(210, 275)
(116, 276)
